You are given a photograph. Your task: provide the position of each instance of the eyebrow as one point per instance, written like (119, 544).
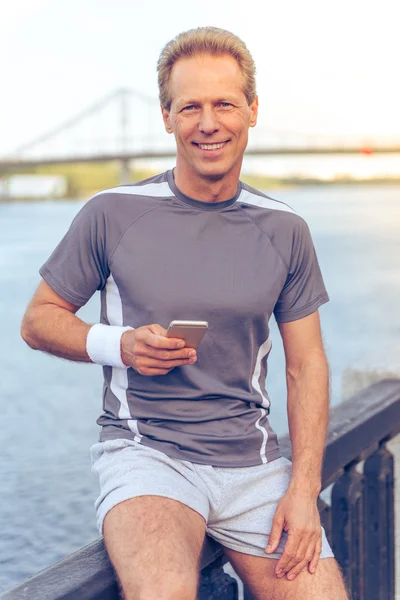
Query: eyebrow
(189, 102)
(185, 102)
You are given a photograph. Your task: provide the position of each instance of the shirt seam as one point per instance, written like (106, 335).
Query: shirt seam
(266, 234)
(142, 214)
(210, 210)
(260, 194)
(209, 206)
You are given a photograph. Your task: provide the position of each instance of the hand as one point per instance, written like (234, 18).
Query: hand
(150, 352)
(296, 513)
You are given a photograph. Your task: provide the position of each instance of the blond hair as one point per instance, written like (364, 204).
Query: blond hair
(205, 40)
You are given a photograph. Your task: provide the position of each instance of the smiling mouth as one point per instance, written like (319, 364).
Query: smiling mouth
(215, 146)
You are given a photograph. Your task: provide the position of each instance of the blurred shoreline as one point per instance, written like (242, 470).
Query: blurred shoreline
(83, 183)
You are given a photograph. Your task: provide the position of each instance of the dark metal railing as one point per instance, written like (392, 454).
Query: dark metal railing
(359, 519)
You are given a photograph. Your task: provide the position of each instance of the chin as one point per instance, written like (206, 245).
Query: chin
(214, 174)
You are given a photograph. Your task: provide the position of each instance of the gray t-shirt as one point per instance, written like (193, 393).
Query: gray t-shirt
(157, 255)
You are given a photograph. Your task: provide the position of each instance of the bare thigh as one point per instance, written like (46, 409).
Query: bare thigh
(258, 575)
(155, 545)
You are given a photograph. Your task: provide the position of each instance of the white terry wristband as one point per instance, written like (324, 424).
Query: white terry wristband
(103, 345)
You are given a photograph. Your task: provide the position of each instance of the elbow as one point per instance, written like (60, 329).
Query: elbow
(315, 364)
(293, 377)
(27, 333)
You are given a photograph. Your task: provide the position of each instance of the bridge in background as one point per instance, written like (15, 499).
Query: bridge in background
(126, 125)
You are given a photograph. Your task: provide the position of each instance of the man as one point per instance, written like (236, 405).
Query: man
(186, 447)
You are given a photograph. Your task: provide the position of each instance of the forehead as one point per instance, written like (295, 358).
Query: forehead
(203, 73)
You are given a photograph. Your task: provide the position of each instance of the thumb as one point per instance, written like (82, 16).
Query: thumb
(275, 534)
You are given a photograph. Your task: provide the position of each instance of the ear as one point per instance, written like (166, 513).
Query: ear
(166, 118)
(253, 112)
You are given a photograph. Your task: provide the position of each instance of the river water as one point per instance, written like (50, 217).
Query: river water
(46, 487)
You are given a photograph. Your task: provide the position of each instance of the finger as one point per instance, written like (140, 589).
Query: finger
(157, 329)
(286, 567)
(150, 372)
(307, 555)
(163, 354)
(275, 533)
(158, 340)
(166, 364)
(317, 553)
(288, 558)
(298, 557)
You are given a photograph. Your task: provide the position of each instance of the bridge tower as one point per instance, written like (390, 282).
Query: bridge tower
(125, 163)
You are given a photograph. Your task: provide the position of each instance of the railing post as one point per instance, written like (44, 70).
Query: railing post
(379, 526)
(347, 529)
(325, 512)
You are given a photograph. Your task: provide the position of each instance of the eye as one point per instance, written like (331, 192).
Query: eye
(188, 108)
(225, 104)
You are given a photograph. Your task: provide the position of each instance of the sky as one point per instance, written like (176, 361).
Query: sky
(322, 67)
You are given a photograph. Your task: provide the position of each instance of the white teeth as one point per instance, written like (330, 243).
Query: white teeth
(211, 146)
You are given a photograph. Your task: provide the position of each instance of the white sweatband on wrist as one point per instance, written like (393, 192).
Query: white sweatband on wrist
(103, 345)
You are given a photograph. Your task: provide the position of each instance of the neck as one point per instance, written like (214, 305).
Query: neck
(206, 189)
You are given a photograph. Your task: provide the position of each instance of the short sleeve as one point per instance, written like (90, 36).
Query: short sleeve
(304, 290)
(79, 266)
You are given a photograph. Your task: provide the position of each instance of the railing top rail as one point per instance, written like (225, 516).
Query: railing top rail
(357, 426)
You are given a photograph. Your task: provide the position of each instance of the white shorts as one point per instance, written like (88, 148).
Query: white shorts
(238, 504)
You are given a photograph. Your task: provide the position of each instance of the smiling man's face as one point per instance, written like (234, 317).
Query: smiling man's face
(209, 116)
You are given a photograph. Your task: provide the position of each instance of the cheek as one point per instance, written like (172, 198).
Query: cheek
(239, 126)
(182, 128)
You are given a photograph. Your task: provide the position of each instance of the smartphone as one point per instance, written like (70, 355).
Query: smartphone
(190, 331)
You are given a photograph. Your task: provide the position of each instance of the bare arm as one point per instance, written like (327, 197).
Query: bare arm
(50, 325)
(307, 376)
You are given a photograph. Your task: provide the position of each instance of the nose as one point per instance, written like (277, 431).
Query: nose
(208, 121)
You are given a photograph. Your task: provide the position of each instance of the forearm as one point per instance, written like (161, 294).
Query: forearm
(308, 410)
(57, 331)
